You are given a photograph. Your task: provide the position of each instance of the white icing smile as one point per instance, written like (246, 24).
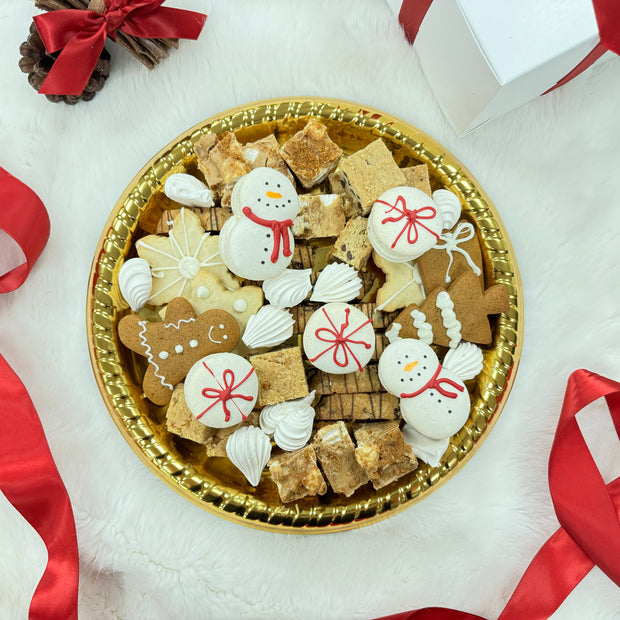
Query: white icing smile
(213, 340)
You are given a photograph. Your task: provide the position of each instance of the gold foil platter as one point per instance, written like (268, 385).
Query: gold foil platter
(215, 484)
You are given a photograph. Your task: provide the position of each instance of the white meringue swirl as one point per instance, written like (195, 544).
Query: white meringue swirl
(288, 289)
(249, 449)
(269, 327)
(135, 282)
(289, 422)
(337, 283)
(188, 190)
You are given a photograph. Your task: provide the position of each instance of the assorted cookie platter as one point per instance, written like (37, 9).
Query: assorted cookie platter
(304, 315)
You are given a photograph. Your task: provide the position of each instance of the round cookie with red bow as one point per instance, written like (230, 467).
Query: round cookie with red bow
(405, 222)
(339, 339)
(221, 389)
(257, 242)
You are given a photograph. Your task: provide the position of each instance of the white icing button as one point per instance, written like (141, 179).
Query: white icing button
(179, 348)
(221, 327)
(193, 343)
(189, 266)
(240, 305)
(163, 355)
(225, 337)
(202, 292)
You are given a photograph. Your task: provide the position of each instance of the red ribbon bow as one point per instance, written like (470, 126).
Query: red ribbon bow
(28, 476)
(225, 393)
(280, 229)
(412, 217)
(436, 384)
(340, 340)
(412, 13)
(587, 509)
(81, 36)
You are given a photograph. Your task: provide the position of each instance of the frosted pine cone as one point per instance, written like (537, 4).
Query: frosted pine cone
(36, 62)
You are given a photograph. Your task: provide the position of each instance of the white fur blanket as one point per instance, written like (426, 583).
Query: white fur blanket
(550, 167)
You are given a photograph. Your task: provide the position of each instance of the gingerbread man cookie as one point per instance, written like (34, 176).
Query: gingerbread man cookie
(175, 344)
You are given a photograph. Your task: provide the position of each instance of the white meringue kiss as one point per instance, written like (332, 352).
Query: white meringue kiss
(289, 422)
(288, 289)
(269, 327)
(135, 282)
(249, 449)
(337, 283)
(188, 190)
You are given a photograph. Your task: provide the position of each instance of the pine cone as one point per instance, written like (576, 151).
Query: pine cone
(36, 62)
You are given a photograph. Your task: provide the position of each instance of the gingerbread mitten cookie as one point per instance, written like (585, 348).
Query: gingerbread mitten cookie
(173, 345)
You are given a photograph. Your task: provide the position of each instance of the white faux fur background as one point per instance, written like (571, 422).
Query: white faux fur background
(551, 169)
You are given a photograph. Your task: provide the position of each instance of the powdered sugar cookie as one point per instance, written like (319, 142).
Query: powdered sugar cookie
(405, 222)
(257, 242)
(173, 345)
(177, 258)
(221, 389)
(339, 338)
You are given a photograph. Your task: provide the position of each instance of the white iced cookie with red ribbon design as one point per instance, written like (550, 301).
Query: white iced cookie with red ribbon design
(405, 222)
(221, 390)
(339, 339)
(433, 400)
(257, 242)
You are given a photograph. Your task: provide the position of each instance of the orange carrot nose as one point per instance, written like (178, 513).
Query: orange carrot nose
(273, 195)
(410, 366)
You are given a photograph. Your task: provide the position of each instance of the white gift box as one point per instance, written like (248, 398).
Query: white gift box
(485, 57)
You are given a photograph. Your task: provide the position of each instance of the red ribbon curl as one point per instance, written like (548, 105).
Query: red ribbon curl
(28, 476)
(81, 35)
(587, 509)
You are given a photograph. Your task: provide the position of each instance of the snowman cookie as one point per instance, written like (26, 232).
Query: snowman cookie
(221, 389)
(173, 345)
(257, 242)
(405, 222)
(433, 398)
(339, 339)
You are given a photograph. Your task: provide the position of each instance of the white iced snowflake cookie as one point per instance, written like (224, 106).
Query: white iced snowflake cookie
(290, 423)
(288, 289)
(187, 190)
(337, 283)
(405, 222)
(135, 282)
(339, 339)
(433, 400)
(249, 449)
(269, 327)
(221, 389)
(257, 242)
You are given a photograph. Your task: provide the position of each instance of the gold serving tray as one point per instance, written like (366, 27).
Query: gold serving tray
(215, 484)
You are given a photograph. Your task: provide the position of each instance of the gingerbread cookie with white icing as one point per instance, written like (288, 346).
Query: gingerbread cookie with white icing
(457, 313)
(175, 344)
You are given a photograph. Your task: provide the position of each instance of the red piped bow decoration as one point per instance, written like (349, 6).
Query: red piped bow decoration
(225, 393)
(588, 511)
(412, 219)
(81, 35)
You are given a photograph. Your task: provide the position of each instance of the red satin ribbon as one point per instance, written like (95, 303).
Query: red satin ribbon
(24, 218)
(81, 35)
(28, 476)
(413, 12)
(587, 509)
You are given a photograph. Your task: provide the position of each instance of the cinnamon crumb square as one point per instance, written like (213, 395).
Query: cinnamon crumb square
(182, 422)
(297, 475)
(280, 376)
(320, 216)
(417, 176)
(370, 172)
(336, 453)
(352, 245)
(382, 452)
(311, 154)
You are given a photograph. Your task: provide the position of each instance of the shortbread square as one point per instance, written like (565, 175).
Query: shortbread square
(370, 172)
(336, 453)
(297, 475)
(280, 376)
(352, 245)
(311, 154)
(382, 452)
(417, 176)
(182, 422)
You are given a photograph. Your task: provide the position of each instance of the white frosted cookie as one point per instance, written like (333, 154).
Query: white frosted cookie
(434, 401)
(339, 339)
(221, 389)
(405, 222)
(257, 242)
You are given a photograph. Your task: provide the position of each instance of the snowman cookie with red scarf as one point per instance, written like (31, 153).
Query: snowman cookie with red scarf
(257, 242)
